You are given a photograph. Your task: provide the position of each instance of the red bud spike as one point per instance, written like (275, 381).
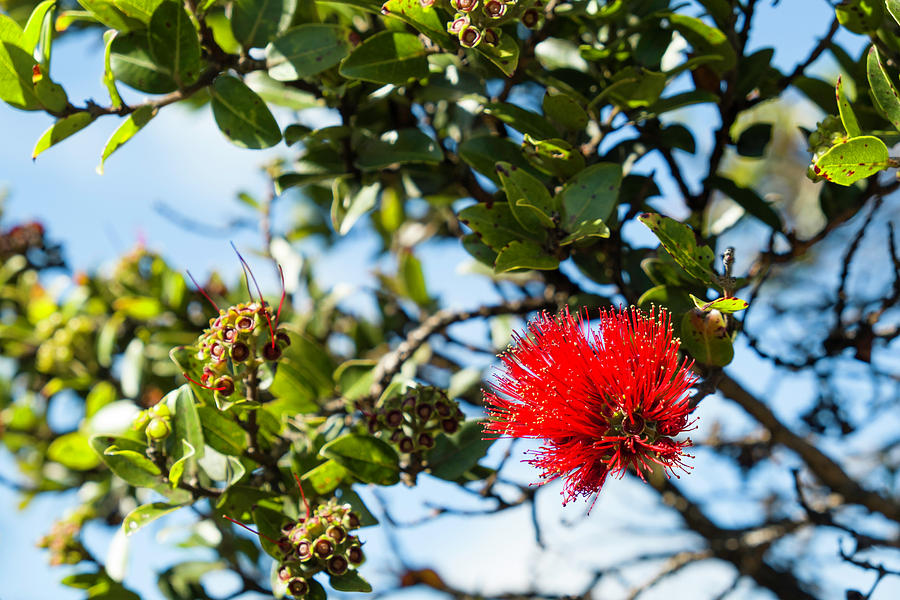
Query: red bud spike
(249, 273)
(251, 530)
(202, 291)
(205, 387)
(302, 495)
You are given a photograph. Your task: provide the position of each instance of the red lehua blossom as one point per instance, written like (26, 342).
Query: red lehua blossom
(603, 400)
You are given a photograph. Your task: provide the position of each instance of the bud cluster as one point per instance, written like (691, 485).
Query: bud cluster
(411, 421)
(829, 132)
(321, 542)
(155, 422)
(62, 541)
(236, 343)
(65, 344)
(21, 238)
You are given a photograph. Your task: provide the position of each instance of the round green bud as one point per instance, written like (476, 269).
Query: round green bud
(158, 429)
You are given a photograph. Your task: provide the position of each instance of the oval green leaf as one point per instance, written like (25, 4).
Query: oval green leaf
(852, 160)
(242, 115)
(124, 132)
(60, 130)
(174, 43)
(133, 64)
(387, 57)
(306, 50)
(369, 459)
(145, 514)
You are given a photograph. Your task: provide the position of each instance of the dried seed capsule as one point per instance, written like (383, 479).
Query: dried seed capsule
(337, 565)
(355, 555)
(240, 352)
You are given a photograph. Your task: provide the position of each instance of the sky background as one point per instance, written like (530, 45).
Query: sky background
(182, 160)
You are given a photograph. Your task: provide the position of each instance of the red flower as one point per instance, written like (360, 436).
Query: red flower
(603, 400)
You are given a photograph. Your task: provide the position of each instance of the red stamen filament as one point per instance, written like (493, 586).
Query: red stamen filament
(251, 530)
(205, 387)
(202, 291)
(302, 495)
(248, 272)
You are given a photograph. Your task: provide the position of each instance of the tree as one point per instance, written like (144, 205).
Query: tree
(547, 140)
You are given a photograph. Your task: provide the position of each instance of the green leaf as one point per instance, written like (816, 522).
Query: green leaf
(860, 16)
(893, 7)
(565, 110)
(678, 239)
(505, 55)
(853, 159)
(303, 376)
(453, 455)
(524, 255)
(367, 458)
(591, 195)
(326, 477)
(186, 428)
(706, 39)
(705, 336)
(256, 22)
(347, 207)
(673, 298)
(848, 118)
(413, 278)
(107, 13)
(16, 86)
(142, 515)
(354, 377)
(73, 450)
(483, 153)
(424, 18)
(748, 199)
(521, 120)
(495, 225)
(242, 115)
(387, 57)
(221, 432)
(141, 10)
(350, 581)
(133, 64)
(306, 50)
(553, 156)
(753, 141)
(176, 471)
(124, 132)
(885, 93)
(528, 198)
(676, 101)
(126, 458)
(32, 33)
(60, 130)
(636, 87)
(269, 522)
(51, 95)
(723, 305)
(400, 146)
(348, 496)
(109, 78)
(586, 229)
(174, 44)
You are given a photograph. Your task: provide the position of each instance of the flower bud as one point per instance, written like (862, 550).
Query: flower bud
(337, 533)
(393, 419)
(324, 547)
(351, 521)
(494, 9)
(425, 440)
(337, 565)
(161, 409)
(304, 550)
(283, 338)
(355, 555)
(464, 5)
(271, 352)
(225, 385)
(406, 445)
(298, 586)
(158, 429)
(240, 352)
(470, 37)
(424, 411)
(245, 323)
(531, 18)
